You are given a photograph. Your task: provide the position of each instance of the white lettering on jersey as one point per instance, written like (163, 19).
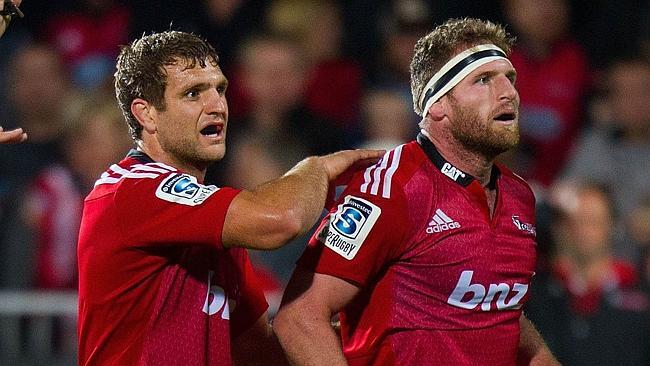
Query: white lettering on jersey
(218, 301)
(451, 171)
(441, 222)
(350, 225)
(480, 296)
(184, 189)
(381, 172)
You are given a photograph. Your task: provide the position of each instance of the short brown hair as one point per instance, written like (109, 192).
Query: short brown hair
(141, 69)
(447, 40)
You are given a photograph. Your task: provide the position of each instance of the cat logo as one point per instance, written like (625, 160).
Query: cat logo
(452, 172)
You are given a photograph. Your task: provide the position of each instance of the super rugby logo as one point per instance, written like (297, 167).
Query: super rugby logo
(184, 189)
(350, 225)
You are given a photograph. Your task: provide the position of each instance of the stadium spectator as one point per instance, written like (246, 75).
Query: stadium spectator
(88, 35)
(590, 310)
(50, 210)
(164, 277)
(40, 88)
(276, 113)
(40, 238)
(428, 255)
(381, 109)
(333, 81)
(553, 79)
(615, 149)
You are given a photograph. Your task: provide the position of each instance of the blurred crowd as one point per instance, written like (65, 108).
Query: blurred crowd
(315, 76)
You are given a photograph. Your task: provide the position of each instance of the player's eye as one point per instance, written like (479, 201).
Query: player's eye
(483, 79)
(513, 78)
(192, 93)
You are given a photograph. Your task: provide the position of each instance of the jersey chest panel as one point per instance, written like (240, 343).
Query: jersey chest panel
(463, 269)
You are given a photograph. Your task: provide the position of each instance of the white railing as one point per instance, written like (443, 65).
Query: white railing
(29, 323)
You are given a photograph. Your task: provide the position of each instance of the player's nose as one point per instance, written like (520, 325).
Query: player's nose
(215, 102)
(506, 88)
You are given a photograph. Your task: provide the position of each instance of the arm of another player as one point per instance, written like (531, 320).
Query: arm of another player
(278, 211)
(303, 323)
(258, 346)
(4, 20)
(12, 136)
(532, 349)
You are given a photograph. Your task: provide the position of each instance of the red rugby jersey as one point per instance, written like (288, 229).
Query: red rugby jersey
(441, 282)
(156, 286)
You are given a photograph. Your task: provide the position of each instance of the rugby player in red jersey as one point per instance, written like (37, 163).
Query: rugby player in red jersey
(164, 278)
(429, 254)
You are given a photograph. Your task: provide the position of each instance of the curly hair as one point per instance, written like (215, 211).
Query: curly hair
(447, 40)
(141, 69)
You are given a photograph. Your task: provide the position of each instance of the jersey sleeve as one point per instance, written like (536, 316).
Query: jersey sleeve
(360, 235)
(252, 302)
(172, 209)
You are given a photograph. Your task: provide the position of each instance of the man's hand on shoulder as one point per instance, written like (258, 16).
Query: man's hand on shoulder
(342, 164)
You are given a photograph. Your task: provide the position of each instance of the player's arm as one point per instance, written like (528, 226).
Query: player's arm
(12, 136)
(303, 323)
(258, 346)
(276, 212)
(532, 349)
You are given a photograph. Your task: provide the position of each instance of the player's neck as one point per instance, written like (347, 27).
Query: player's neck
(470, 162)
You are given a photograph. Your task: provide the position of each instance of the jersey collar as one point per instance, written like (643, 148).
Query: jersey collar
(139, 156)
(460, 177)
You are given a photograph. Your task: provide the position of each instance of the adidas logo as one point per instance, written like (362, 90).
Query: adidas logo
(441, 222)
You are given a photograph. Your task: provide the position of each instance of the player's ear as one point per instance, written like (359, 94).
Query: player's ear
(144, 112)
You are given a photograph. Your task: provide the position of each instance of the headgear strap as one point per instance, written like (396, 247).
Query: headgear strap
(456, 70)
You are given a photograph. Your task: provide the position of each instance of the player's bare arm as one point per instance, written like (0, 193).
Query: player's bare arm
(303, 324)
(532, 349)
(12, 136)
(276, 212)
(258, 346)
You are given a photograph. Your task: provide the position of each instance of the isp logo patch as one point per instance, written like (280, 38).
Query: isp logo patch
(350, 225)
(184, 189)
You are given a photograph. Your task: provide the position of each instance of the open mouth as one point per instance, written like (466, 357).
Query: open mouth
(506, 117)
(212, 130)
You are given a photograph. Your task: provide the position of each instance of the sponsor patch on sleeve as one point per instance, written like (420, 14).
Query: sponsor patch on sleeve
(184, 189)
(349, 226)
